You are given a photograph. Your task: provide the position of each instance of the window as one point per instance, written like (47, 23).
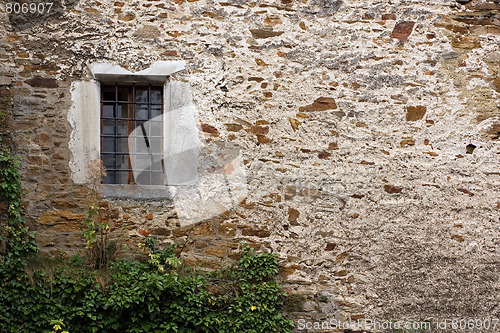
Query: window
(132, 134)
(141, 124)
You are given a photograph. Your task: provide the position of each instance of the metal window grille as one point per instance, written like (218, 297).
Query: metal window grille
(132, 134)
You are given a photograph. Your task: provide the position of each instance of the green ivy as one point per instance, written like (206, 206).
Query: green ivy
(18, 243)
(135, 297)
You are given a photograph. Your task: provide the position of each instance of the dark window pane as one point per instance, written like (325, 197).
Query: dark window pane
(141, 95)
(107, 110)
(141, 112)
(108, 145)
(109, 178)
(122, 162)
(122, 145)
(136, 125)
(123, 93)
(155, 111)
(108, 127)
(122, 111)
(108, 93)
(122, 127)
(122, 177)
(155, 96)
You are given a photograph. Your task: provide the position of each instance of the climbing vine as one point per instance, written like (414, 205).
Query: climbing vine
(15, 239)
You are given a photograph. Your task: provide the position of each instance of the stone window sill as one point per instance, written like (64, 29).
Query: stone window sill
(137, 192)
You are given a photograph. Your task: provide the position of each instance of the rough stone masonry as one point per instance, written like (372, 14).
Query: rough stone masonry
(369, 132)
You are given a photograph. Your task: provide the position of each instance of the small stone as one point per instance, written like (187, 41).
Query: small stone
(330, 246)
(450, 55)
(161, 231)
(262, 138)
(466, 42)
(127, 17)
(257, 129)
(288, 270)
(466, 191)
(391, 16)
(248, 231)
(320, 104)
(294, 123)
(407, 142)
(333, 146)
(402, 30)
(272, 21)
(233, 127)
(204, 230)
(293, 216)
(209, 129)
(228, 229)
(218, 251)
(470, 148)
(458, 238)
(42, 82)
(147, 32)
(414, 113)
(392, 189)
(12, 38)
(255, 78)
(143, 232)
(265, 33)
(170, 54)
(43, 139)
(5, 81)
(260, 62)
(149, 216)
(324, 155)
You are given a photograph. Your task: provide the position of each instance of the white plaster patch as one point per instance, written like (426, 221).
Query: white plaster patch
(84, 119)
(158, 72)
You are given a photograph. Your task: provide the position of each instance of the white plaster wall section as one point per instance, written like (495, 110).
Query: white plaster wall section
(212, 193)
(158, 72)
(181, 135)
(84, 119)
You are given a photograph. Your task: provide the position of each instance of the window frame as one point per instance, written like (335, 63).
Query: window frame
(132, 105)
(181, 128)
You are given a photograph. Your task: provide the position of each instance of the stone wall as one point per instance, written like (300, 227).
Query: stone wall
(369, 133)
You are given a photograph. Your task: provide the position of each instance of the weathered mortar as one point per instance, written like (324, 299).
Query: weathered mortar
(369, 132)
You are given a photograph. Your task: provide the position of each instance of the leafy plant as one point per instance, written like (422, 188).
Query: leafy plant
(160, 258)
(57, 325)
(16, 242)
(258, 267)
(134, 296)
(96, 226)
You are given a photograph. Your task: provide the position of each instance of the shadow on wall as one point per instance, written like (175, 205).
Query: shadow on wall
(25, 15)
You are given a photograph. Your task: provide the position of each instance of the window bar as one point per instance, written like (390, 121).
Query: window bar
(115, 157)
(131, 150)
(149, 148)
